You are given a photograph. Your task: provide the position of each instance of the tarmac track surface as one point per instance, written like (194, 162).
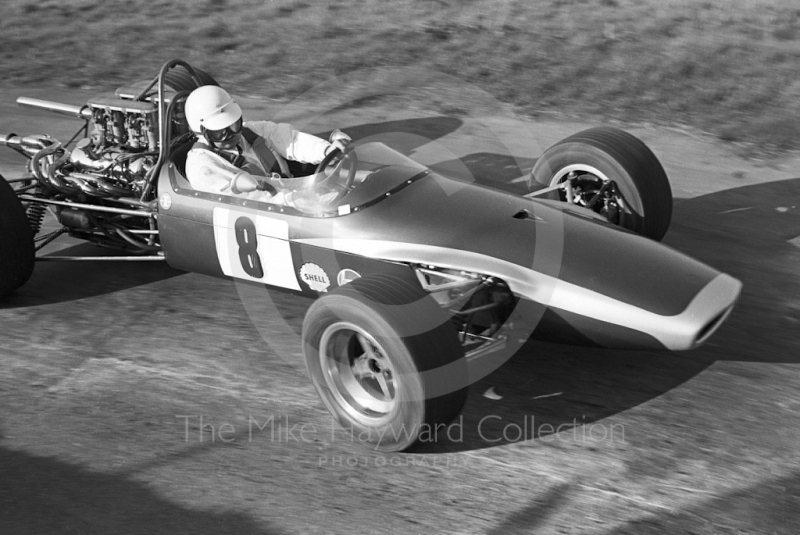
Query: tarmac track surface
(139, 399)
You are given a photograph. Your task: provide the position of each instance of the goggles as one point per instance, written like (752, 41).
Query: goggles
(224, 134)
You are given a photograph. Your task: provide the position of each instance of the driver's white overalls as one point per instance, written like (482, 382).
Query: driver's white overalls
(275, 143)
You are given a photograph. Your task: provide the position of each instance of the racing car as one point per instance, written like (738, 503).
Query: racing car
(423, 282)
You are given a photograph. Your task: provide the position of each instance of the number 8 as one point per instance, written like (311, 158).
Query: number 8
(248, 247)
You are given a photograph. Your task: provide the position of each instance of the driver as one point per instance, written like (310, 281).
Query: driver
(249, 159)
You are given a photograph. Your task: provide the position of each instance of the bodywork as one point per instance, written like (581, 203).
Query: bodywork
(581, 280)
(505, 267)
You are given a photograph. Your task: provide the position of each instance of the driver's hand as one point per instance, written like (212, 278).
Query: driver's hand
(339, 140)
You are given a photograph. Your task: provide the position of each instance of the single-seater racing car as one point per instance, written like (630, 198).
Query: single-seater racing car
(423, 282)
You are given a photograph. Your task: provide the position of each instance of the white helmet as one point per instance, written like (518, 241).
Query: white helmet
(211, 108)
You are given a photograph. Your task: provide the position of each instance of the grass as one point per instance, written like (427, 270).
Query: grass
(727, 67)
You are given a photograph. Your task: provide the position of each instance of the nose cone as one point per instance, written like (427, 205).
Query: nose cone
(618, 289)
(630, 268)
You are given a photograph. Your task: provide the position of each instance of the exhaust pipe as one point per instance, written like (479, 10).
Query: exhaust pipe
(81, 112)
(29, 143)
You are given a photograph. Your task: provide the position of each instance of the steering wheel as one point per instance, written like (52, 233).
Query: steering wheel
(329, 181)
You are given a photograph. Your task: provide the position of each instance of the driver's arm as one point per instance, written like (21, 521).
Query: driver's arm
(290, 143)
(208, 172)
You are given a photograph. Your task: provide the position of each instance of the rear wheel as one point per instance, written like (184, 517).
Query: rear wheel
(614, 174)
(386, 361)
(17, 253)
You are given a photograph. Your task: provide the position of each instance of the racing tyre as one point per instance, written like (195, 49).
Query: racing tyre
(17, 251)
(637, 194)
(386, 362)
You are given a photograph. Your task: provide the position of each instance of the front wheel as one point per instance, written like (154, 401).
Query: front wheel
(613, 173)
(17, 252)
(386, 362)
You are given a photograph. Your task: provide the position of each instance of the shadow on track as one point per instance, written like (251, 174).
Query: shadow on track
(743, 232)
(407, 134)
(43, 495)
(57, 282)
(494, 170)
(531, 518)
(430, 128)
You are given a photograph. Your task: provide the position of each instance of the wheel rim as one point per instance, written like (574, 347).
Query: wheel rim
(581, 169)
(592, 181)
(358, 373)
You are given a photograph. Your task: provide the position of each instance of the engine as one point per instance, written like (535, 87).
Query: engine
(116, 158)
(101, 189)
(121, 148)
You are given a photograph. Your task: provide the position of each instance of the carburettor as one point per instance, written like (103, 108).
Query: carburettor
(128, 124)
